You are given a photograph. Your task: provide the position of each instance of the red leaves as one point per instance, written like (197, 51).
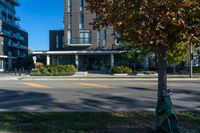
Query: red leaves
(188, 3)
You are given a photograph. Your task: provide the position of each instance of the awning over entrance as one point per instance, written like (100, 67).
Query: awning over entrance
(3, 56)
(84, 60)
(75, 52)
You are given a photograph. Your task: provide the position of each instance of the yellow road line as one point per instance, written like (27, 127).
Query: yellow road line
(35, 85)
(95, 85)
(154, 84)
(142, 83)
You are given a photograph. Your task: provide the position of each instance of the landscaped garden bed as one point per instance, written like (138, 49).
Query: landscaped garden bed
(53, 70)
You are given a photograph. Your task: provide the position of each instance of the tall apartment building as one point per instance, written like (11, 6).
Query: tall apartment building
(13, 40)
(79, 43)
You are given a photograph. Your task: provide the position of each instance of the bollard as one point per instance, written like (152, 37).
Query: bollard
(15, 70)
(20, 71)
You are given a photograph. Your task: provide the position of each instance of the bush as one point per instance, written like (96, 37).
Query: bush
(39, 65)
(147, 72)
(36, 72)
(196, 69)
(122, 70)
(55, 70)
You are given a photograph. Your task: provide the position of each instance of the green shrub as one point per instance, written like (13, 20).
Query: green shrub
(55, 70)
(122, 70)
(36, 72)
(196, 69)
(147, 72)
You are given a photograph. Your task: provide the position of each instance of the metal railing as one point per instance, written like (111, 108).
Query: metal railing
(81, 41)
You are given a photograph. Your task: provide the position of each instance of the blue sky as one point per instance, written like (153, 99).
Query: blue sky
(38, 17)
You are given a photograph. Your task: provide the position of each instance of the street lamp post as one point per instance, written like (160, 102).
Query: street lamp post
(191, 60)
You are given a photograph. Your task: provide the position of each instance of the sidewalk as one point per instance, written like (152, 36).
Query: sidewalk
(108, 77)
(12, 76)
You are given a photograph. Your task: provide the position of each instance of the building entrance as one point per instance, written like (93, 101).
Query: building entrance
(94, 63)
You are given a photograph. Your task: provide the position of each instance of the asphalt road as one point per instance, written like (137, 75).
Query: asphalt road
(94, 95)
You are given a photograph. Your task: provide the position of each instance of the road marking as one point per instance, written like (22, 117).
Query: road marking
(95, 85)
(143, 83)
(155, 84)
(35, 85)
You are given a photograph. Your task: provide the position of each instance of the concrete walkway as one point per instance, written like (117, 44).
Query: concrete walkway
(90, 76)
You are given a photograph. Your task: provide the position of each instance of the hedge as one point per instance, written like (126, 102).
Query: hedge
(122, 70)
(54, 70)
(196, 69)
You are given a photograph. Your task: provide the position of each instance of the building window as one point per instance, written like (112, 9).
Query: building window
(81, 5)
(85, 36)
(69, 21)
(63, 42)
(81, 25)
(98, 38)
(69, 37)
(104, 37)
(1, 64)
(69, 5)
(57, 41)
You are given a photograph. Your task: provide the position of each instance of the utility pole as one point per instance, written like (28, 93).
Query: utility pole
(191, 60)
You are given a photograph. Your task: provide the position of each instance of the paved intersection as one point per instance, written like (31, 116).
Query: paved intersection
(94, 95)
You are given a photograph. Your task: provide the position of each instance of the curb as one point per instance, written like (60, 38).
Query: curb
(104, 78)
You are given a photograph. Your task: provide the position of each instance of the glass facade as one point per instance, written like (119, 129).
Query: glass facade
(85, 37)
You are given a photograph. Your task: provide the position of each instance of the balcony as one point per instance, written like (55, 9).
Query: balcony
(14, 2)
(12, 35)
(80, 42)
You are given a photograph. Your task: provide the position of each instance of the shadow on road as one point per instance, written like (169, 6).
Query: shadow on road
(19, 101)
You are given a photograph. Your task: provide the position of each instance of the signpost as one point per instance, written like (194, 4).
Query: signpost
(35, 59)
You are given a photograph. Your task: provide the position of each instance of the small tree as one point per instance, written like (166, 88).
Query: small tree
(158, 24)
(136, 54)
(177, 54)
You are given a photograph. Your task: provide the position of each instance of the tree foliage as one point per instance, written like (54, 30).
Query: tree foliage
(149, 22)
(178, 53)
(134, 53)
(158, 24)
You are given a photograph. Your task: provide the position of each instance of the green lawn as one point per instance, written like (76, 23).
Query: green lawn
(90, 122)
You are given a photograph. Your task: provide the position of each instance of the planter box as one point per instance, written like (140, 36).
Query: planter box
(81, 73)
(120, 74)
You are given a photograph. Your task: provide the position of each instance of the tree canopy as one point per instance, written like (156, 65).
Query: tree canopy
(178, 53)
(159, 24)
(149, 22)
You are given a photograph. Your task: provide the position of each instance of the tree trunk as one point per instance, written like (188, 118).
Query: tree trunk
(174, 66)
(162, 72)
(134, 66)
